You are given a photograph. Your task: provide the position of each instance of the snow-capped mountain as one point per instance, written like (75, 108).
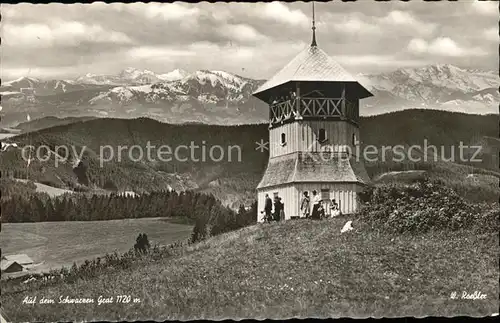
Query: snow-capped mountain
(222, 97)
(95, 79)
(22, 82)
(131, 76)
(203, 86)
(203, 96)
(440, 86)
(442, 76)
(35, 87)
(174, 75)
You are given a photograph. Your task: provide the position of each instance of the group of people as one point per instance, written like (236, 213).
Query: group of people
(279, 209)
(318, 206)
(316, 212)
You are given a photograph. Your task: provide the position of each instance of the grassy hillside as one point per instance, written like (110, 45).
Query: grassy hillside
(474, 184)
(438, 127)
(53, 244)
(294, 269)
(235, 181)
(239, 176)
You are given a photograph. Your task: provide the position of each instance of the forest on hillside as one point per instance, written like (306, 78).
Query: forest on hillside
(232, 181)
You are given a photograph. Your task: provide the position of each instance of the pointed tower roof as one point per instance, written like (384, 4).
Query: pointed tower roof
(312, 64)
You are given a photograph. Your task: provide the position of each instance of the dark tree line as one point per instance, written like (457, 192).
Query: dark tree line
(209, 216)
(80, 207)
(215, 221)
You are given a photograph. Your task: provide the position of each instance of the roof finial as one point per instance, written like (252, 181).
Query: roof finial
(313, 28)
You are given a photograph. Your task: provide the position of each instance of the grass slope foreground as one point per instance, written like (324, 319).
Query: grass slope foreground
(294, 269)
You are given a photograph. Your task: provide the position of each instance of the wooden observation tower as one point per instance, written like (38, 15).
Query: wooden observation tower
(314, 133)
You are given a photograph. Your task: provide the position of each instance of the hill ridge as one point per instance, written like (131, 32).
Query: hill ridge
(235, 182)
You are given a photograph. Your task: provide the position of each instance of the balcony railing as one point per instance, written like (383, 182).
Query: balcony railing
(312, 107)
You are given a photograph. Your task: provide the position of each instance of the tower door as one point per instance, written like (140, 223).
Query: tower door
(325, 197)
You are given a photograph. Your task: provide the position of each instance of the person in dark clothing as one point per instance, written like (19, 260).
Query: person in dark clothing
(282, 211)
(321, 212)
(316, 200)
(278, 207)
(268, 208)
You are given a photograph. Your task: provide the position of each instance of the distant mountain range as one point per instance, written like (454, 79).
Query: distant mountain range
(131, 76)
(47, 122)
(441, 86)
(219, 97)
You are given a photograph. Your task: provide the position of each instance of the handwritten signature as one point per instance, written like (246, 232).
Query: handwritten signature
(123, 299)
(466, 295)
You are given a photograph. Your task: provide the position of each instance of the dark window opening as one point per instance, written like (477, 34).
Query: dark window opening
(325, 194)
(283, 139)
(322, 135)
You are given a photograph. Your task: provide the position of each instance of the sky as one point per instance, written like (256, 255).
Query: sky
(62, 41)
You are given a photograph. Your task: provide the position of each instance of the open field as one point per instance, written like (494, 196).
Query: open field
(299, 268)
(56, 244)
(51, 191)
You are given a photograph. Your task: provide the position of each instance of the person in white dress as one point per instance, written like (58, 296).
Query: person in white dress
(335, 210)
(305, 205)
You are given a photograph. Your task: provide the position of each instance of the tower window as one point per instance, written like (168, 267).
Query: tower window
(354, 140)
(325, 194)
(283, 139)
(322, 135)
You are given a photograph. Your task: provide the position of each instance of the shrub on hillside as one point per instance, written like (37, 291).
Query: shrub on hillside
(110, 185)
(424, 206)
(142, 243)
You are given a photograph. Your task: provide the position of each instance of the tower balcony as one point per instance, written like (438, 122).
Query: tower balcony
(313, 108)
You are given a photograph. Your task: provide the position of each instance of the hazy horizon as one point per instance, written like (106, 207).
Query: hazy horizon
(239, 74)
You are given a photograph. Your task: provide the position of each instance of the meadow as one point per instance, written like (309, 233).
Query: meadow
(57, 244)
(298, 268)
